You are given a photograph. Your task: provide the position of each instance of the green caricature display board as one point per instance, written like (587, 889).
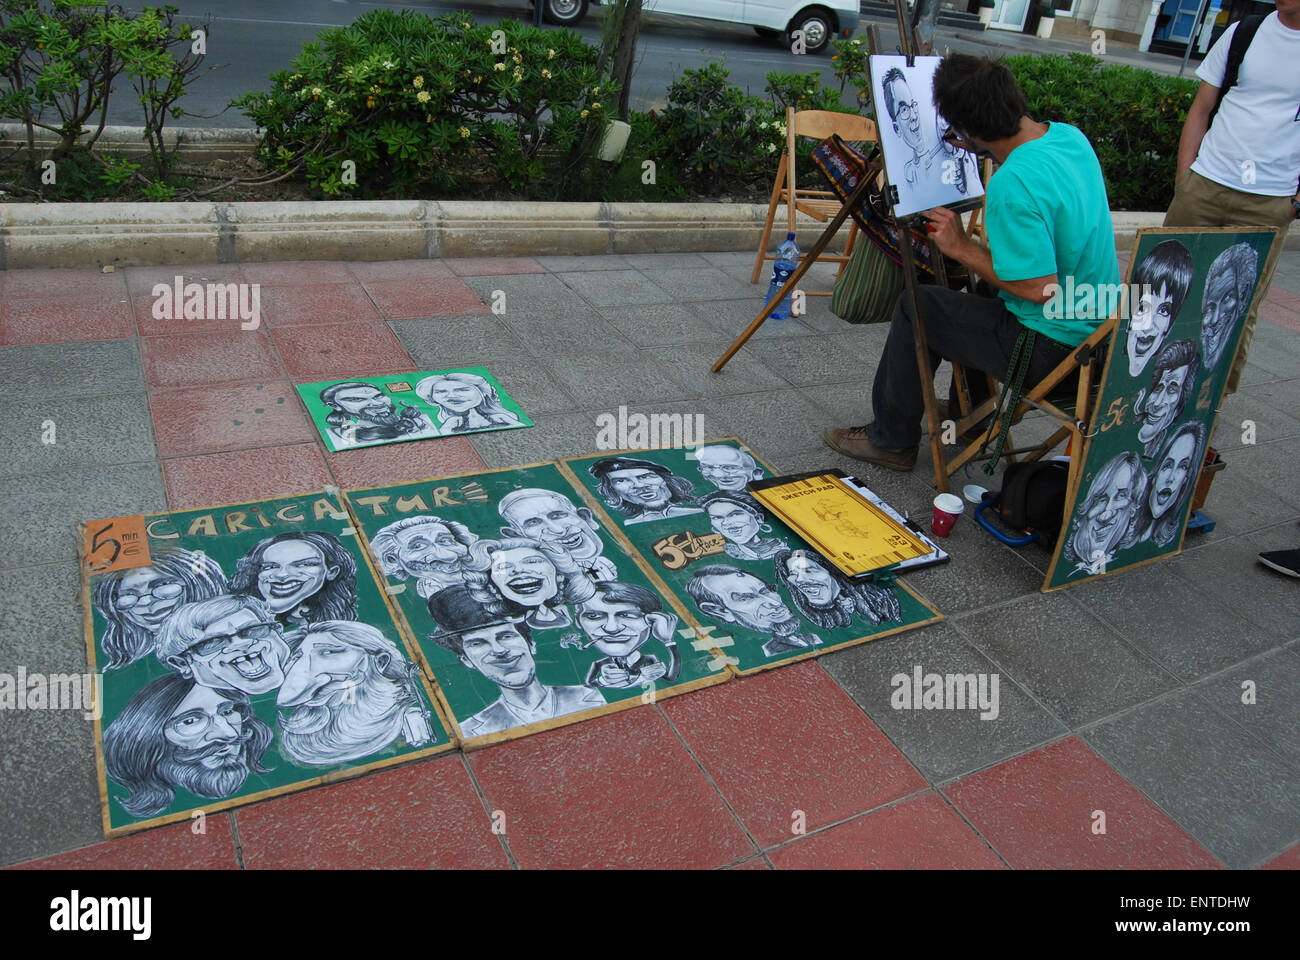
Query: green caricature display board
(369, 411)
(1189, 294)
(246, 651)
(528, 611)
(751, 585)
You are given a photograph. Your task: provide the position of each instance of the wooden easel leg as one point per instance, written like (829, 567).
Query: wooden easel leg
(771, 218)
(805, 264)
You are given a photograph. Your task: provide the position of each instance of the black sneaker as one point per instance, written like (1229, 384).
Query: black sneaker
(1283, 561)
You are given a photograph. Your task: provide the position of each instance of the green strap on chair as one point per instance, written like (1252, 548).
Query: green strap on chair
(1014, 385)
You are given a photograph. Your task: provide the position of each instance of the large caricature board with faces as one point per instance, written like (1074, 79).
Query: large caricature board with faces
(749, 583)
(1185, 304)
(369, 411)
(246, 651)
(926, 170)
(528, 611)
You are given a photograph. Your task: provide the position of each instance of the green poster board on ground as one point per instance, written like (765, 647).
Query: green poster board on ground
(750, 584)
(369, 411)
(246, 651)
(571, 625)
(1188, 296)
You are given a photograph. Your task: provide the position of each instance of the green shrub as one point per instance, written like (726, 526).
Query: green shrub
(1133, 117)
(424, 105)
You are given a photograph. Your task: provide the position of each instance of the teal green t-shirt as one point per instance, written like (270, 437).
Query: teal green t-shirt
(1047, 213)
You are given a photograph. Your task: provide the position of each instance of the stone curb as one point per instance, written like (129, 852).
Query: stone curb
(161, 234)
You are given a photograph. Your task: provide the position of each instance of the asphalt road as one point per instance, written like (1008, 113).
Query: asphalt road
(251, 39)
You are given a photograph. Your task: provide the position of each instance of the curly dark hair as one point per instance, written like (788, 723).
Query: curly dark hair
(336, 600)
(979, 96)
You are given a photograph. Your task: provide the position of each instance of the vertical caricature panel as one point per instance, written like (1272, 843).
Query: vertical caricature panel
(1180, 319)
(755, 588)
(246, 651)
(927, 170)
(528, 613)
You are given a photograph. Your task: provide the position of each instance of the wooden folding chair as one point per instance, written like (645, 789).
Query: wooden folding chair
(821, 205)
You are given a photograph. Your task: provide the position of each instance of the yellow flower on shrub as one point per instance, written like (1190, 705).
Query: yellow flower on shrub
(499, 67)
(418, 82)
(464, 133)
(546, 74)
(584, 114)
(550, 54)
(423, 96)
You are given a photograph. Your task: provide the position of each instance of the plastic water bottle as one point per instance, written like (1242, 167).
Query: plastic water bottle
(787, 260)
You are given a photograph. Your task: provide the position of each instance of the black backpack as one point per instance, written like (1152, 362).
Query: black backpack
(1241, 37)
(1032, 499)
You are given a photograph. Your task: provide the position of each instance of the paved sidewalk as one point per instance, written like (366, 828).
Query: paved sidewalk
(1122, 695)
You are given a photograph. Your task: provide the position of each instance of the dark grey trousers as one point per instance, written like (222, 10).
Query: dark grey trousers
(977, 332)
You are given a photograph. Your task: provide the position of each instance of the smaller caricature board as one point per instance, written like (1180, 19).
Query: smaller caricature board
(751, 585)
(1181, 316)
(369, 411)
(926, 170)
(243, 652)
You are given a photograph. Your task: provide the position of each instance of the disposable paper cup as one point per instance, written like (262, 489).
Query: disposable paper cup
(974, 494)
(947, 508)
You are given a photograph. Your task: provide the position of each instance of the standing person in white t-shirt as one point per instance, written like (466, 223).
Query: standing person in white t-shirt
(1243, 168)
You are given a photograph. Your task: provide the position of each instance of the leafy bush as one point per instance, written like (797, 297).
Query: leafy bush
(1133, 117)
(421, 104)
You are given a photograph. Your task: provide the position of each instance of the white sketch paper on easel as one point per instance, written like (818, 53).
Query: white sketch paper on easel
(926, 170)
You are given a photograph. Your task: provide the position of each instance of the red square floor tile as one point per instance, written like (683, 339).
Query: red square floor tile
(220, 357)
(493, 266)
(919, 833)
(1287, 861)
(63, 319)
(60, 282)
(284, 273)
(400, 462)
(220, 478)
(618, 791)
(314, 353)
(219, 417)
(402, 299)
(1037, 810)
(142, 305)
(399, 270)
(771, 755)
(143, 279)
(283, 305)
(424, 815)
(174, 847)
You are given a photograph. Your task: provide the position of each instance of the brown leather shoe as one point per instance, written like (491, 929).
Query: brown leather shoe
(854, 442)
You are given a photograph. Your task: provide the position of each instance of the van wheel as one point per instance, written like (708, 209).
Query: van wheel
(767, 33)
(817, 27)
(565, 13)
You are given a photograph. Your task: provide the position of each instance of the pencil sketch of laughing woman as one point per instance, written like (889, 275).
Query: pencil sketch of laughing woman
(467, 401)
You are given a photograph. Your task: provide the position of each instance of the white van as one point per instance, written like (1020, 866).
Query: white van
(818, 19)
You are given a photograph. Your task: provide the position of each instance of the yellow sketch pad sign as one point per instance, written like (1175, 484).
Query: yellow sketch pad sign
(842, 525)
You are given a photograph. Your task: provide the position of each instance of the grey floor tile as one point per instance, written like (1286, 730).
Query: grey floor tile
(553, 436)
(42, 621)
(523, 291)
(1232, 794)
(691, 366)
(1239, 504)
(470, 341)
(606, 379)
(731, 318)
(981, 571)
(1247, 419)
(1263, 696)
(652, 324)
(805, 361)
(565, 330)
(1281, 395)
(848, 404)
(41, 511)
(1189, 633)
(700, 283)
(1279, 356)
(681, 423)
(84, 431)
(71, 369)
(778, 421)
(942, 743)
(574, 264)
(1231, 573)
(651, 263)
(1072, 663)
(532, 384)
(1273, 465)
(608, 288)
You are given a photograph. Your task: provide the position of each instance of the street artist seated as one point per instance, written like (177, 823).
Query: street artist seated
(1047, 218)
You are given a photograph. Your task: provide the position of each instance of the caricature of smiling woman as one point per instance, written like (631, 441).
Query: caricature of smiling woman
(519, 575)
(742, 522)
(467, 402)
(301, 576)
(1164, 276)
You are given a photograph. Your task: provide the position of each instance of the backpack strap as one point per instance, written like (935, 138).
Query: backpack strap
(1241, 37)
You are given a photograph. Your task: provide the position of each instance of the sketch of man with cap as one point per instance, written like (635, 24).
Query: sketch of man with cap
(643, 490)
(501, 648)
